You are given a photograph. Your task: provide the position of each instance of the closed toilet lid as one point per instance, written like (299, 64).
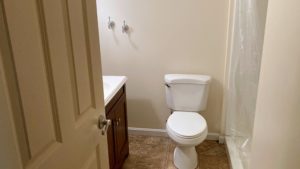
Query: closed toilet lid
(186, 124)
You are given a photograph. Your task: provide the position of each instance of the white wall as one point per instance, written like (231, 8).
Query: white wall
(277, 129)
(169, 36)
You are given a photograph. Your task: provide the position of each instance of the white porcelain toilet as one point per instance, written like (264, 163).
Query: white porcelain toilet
(186, 96)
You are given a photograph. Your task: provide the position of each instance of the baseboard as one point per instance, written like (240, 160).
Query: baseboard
(163, 133)
(147, 131)
(212, 136)
(222, 139)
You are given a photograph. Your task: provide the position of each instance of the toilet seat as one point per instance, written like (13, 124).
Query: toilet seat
(186, 125)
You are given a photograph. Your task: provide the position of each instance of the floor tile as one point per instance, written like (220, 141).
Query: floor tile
(148, 152)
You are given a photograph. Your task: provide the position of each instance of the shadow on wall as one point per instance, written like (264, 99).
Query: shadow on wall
(134, 106)
(113, 32)
(214, 104)
(129, 37)
(132, 43)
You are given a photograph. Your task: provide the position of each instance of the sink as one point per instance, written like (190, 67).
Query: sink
(111, 85)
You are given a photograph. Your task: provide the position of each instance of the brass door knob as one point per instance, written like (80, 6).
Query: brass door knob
(103, 124)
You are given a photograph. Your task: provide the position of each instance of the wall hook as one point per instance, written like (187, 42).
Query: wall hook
(111, 24)
(125, 27)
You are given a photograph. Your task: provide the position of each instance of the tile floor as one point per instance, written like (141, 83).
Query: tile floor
(147, 152)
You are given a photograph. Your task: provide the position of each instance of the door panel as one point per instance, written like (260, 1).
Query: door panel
(55, 59)
(92, 162)
(34, 78)
(81, 54)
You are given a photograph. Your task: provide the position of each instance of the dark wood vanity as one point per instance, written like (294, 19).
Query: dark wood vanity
(117, 133)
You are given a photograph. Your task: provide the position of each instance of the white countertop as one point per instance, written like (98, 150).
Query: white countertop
(111, 85)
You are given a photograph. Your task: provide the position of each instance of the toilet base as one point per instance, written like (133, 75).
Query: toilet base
(185, 157)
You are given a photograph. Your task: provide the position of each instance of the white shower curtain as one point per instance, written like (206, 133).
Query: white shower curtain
(243, 76)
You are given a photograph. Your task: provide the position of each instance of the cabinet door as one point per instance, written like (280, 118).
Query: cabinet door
(111, 140)
(121, 135)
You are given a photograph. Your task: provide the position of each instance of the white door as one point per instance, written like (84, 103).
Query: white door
(51, 79)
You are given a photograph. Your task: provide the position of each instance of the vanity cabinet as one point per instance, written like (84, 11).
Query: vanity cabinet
(117, 133)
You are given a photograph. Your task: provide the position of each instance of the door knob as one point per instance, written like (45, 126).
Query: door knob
(103, 124)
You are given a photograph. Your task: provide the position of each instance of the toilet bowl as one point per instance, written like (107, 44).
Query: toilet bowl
(191, 132)
(186, 96)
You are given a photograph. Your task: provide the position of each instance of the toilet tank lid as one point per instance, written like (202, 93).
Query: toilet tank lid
(187, 78)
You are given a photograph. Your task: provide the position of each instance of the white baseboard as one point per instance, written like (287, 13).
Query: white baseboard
(147, 131)
(222, 139)
(212, 136)
(163, 132)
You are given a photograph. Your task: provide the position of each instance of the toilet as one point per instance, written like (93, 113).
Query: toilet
(186, 96)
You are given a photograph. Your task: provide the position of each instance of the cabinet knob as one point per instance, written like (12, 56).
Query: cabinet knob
(118, 121)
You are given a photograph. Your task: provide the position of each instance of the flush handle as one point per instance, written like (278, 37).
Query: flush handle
(166, 84)
(103, 124)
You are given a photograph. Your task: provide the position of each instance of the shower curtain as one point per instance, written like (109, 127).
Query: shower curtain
(243, 77)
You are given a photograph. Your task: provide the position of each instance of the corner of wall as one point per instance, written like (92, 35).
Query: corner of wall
(230, 23)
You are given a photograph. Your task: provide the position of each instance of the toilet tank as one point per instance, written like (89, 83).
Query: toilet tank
(187, 92)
